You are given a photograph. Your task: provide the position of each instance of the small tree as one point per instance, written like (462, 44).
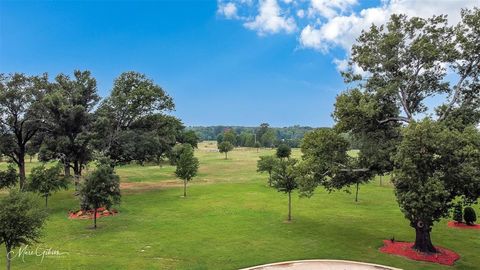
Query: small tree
(267, 164)
(187, 166)
(46, 181)
(469, 216)
(8, 178)
(21, 220)
(258, 145)
(457, 213)
(225, 147)
(284, 179)
(101, 188)
(283, 151)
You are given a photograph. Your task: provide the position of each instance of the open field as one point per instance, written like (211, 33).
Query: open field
(230, 220)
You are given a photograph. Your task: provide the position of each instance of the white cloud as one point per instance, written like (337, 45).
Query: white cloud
(330, 8)
(327, 24)
(342, 30)
(301, 13)
(270, 19)
(343, 65)
(229, 10)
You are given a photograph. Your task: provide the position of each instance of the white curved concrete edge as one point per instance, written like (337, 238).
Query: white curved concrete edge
(321, 265)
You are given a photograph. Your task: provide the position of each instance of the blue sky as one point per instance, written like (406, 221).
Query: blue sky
(218, 68)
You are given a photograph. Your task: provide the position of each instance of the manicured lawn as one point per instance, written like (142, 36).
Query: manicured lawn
(231, 219)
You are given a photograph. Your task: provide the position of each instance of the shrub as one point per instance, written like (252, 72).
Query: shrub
(283, 151)
(457, 213)
(469, 215)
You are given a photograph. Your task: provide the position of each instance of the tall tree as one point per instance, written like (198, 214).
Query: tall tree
(69, 106)
(134, 96)
(21, 221)
(268, 138)
(101, 188)
(405, 62)
(187, 166)
(21, 115)
(45, 181)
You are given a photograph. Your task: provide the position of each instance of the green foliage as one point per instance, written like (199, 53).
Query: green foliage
(284, 175)
(190, 137)
(285, 178)
(45, 181)
(101, 188)
(324, 153)
(187, 164)
(8, 178)
(230, 136)
(21, 220)
(225, 147)
(246, 135)
(283, 151)
(131, 124)
(469, 215)
(404, 64)
(268, 138)
(267, 164)
(434, 166)
(68, 117)
(457, 213)
(21, 114)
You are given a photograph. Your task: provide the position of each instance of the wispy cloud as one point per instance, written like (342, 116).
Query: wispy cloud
(325, 24)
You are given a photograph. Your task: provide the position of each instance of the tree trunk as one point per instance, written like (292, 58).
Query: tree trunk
(423, 242)
(46, 201)
(76, 174)
(184, 188)
(21, 170)
(66, 167)
(356, 194)
(380, 180)
(8, 258)
(289, 206)
(269, 179)
(226, 157)
(95, 218)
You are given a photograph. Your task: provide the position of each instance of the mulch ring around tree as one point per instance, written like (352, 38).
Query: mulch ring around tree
(454, 224)
(88, 214)
(404, 249)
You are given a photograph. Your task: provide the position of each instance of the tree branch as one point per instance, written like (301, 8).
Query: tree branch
(396, 119)
(457, 90)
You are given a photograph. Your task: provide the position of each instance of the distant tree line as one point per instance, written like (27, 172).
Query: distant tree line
(264, 134)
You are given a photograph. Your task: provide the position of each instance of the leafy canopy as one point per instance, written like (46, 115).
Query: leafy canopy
(187, 163)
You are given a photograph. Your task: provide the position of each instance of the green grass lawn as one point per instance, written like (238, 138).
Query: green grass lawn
(231, 219)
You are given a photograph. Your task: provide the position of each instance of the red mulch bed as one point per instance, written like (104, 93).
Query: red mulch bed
(454, 224)
(101, 212)
(444, 256)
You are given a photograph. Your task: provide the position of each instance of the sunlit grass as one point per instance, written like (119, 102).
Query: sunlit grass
(231, 219)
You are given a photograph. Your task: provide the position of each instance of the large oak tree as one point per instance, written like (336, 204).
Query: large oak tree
(406, 62)
(21, 115)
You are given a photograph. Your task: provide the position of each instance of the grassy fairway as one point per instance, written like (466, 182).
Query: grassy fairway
(231, 219)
